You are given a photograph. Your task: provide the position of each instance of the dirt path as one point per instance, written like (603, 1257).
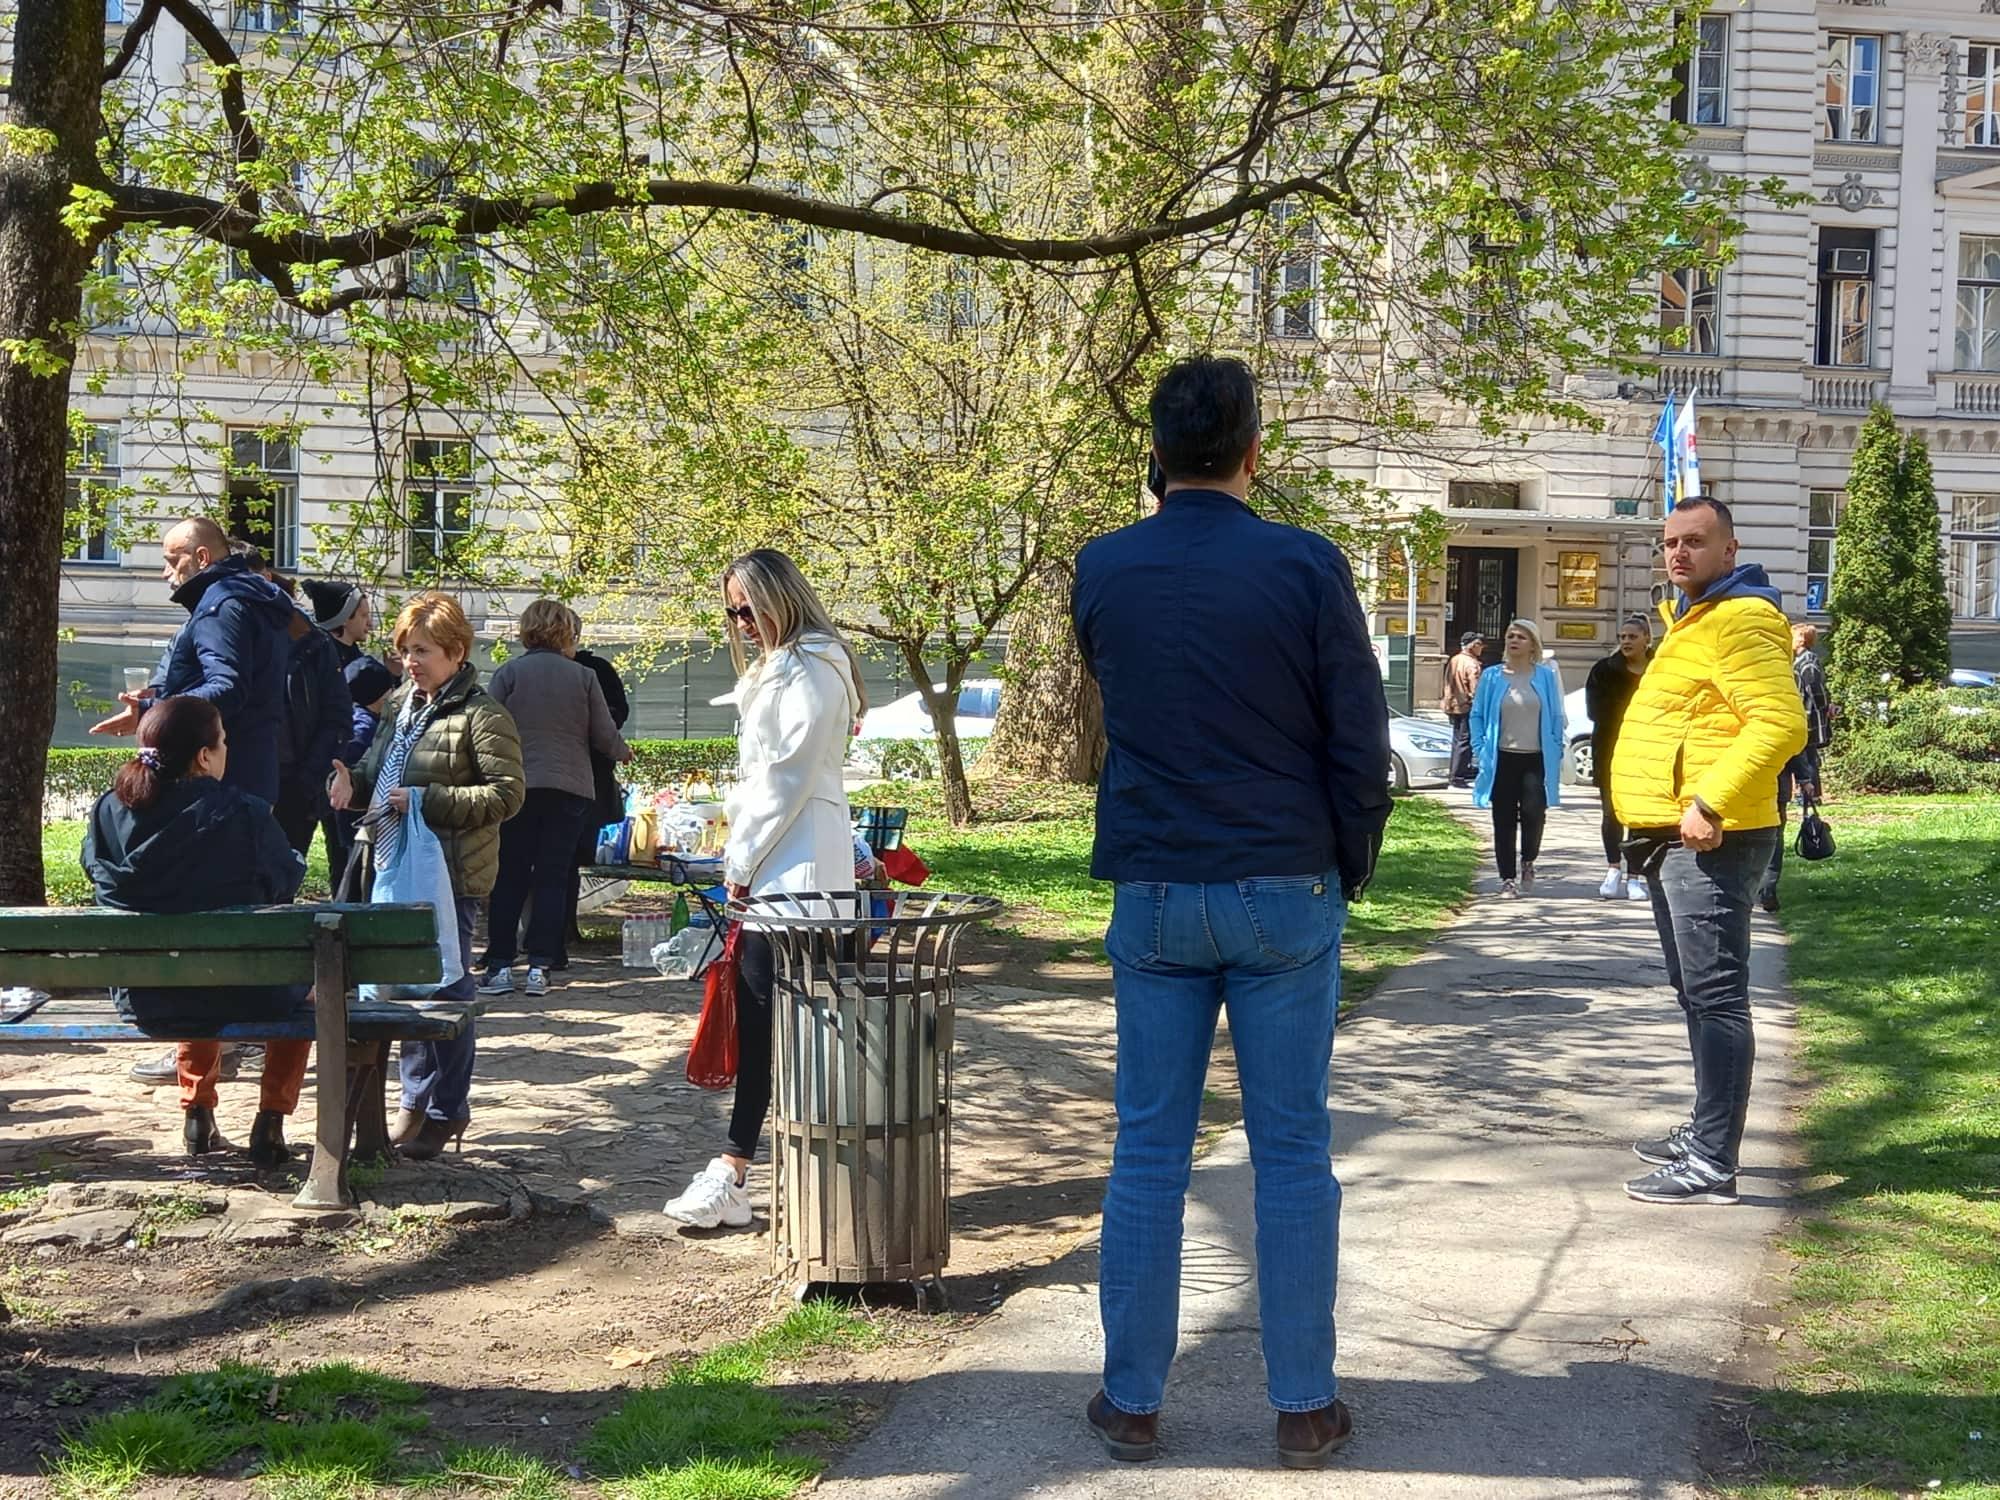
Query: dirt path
(502, 1278)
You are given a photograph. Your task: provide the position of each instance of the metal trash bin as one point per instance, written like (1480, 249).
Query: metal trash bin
(863, 1015)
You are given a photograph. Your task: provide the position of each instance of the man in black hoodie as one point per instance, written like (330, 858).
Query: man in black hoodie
(233, 651)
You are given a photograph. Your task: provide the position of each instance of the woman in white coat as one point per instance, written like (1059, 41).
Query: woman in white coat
(789, 828)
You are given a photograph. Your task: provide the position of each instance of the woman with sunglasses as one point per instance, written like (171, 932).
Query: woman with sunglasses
(799, 700)
(1518, 731)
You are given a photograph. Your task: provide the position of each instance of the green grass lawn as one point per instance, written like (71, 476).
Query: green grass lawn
(1031, 848)
(713, 1428)
(1893, 1342)
(63, 877)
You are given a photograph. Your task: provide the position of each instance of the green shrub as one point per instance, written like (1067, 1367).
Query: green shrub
(83, 774)
(657, 762)
(1927, 743)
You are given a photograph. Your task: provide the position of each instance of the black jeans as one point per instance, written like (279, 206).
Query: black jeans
(1768, 891)
(537, 853)
(1520, 801)
(1463, 771)
(756, 980)
(1701, 905)
(1612, 832)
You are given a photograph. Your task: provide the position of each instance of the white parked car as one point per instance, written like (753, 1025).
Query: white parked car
(1577, 762)
(906, 718)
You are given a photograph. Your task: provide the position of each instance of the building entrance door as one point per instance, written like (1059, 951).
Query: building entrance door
(1480, 588)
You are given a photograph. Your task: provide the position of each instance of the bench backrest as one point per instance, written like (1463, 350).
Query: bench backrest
(83, 947)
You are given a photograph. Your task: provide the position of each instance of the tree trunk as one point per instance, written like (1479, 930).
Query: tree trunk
(943, 708)
(1051, 725)
(53, 124)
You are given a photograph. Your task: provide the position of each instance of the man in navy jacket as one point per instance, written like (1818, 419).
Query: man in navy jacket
(233, 651)
(1241, 807)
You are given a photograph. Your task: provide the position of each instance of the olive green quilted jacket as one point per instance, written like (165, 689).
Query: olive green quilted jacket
(468, 761)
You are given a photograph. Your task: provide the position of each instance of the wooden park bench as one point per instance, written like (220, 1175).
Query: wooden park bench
(75, 952)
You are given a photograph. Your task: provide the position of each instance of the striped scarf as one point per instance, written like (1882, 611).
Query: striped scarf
(410, 726)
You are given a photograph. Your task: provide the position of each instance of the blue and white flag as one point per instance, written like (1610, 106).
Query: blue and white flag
(1687, 455)
(1663, 439)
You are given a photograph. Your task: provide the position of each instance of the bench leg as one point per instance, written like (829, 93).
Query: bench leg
(326, 1184)
(367, 1076)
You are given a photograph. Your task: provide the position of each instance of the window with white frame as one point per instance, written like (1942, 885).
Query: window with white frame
(1851, 88)
(1982, 94)
(266, 15)
(90, 495)
(261, 493)
(1975, 556)
(1976, 344)
(1704, 78)
(440, 494)
(114, 12)
(1823, 508)
(1290, 283)
(1844, 327)
(1688, 307)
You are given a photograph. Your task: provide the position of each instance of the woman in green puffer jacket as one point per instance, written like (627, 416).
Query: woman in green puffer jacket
(443, 732)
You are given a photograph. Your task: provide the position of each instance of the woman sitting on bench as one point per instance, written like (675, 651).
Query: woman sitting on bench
(170, 837)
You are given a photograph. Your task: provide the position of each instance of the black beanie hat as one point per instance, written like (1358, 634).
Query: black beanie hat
(368, 680)
(333, 603)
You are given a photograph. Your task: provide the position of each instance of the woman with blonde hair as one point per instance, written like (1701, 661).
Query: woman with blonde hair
(799, 698)
(1518, 730)
(560, 711)
(443, 732)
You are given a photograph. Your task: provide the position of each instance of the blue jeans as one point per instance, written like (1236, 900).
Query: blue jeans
(1269, 950)
(437, 1076)
(1701, 906)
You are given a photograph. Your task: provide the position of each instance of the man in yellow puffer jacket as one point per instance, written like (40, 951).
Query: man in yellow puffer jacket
(1695, 778)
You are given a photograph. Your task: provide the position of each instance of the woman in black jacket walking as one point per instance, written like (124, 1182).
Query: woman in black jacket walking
(170, 837)
(1606, 693)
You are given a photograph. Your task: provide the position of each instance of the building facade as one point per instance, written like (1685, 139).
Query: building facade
(1884, 286)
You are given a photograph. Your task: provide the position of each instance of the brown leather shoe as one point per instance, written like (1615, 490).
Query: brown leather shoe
(1306, 1439)
(1127, 1437)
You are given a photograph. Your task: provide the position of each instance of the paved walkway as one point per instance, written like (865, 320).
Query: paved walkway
(1511, 1324)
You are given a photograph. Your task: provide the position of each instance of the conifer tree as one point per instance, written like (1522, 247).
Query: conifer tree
(1891, 617)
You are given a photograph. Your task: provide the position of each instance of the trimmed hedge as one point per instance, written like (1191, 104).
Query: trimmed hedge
(1927, 743)
(82, 774)
(656, 762)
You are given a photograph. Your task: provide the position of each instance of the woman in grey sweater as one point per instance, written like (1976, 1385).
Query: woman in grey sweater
(562, 715)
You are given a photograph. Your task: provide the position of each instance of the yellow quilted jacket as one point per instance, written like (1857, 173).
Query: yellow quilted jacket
(1716, 716)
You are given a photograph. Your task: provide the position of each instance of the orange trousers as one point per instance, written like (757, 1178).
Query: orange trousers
(284, 1074)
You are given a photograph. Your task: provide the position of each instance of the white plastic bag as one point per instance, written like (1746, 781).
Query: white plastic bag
(419, 874)
(688, 953)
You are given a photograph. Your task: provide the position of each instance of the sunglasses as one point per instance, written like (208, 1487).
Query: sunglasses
(742, 612)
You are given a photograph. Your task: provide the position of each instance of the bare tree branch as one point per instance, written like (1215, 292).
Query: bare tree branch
(135, 35)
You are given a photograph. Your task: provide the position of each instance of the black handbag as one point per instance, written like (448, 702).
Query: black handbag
(1815, 838)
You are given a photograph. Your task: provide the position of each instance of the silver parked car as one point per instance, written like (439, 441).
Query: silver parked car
(1419, 752)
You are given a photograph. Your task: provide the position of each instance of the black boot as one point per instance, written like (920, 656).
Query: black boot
(200, 1134)
(267, 1139)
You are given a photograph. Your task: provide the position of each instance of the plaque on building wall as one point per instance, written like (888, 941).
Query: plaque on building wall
(1576, 581)
(1576, 630)
(1397, 625)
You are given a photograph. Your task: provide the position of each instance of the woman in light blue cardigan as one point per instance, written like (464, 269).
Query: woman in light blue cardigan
(1518, 728)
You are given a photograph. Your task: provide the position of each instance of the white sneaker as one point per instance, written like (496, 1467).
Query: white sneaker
(714, 1197)
(538, 982)
(1613, 887)
(1508, 890)
(499, 982)
(1635, 889)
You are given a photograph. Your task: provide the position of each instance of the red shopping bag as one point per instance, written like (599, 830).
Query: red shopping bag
(902, 865)
(712, 1059)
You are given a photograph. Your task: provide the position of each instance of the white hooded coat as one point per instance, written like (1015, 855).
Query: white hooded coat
(789, 827)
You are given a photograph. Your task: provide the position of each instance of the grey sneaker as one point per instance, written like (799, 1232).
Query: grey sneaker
(1689, 1180)
(1527, 876)
(538, 982)
(166, 1068)
(499, 982)
(1509, 890)
(1668, 1149)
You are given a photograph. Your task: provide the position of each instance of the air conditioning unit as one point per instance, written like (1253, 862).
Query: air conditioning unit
(1849, 262)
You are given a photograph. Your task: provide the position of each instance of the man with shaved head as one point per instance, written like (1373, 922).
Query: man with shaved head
(232, 651)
